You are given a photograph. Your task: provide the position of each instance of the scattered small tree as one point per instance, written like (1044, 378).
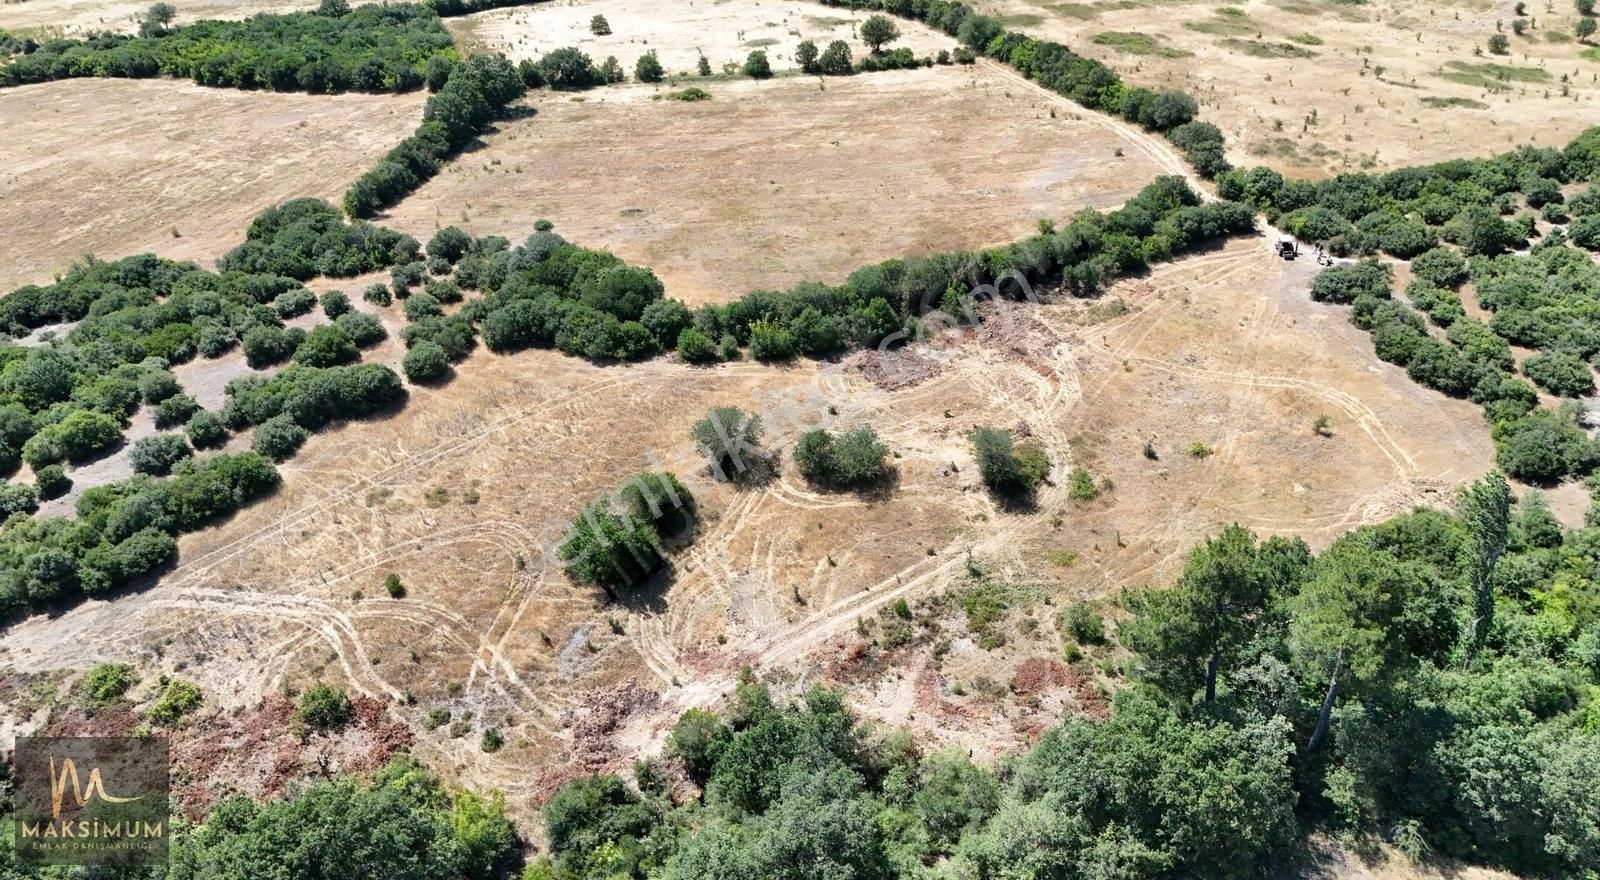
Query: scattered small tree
(323, 707)
(156, 455)
(393, 586)
(1586, 28)
(852, 459)
(156, 19)
(730, 439)
(835, 60)
(756, 65)
(878, 31)
(806, 55)
(1499, 44)
(703, 66)
(599, 26)
(648, 69)
(52, 482)
(1008, 471)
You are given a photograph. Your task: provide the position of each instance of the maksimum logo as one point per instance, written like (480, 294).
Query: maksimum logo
(91, 800)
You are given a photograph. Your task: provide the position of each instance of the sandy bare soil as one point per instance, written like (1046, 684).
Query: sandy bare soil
(75, 17)
(462, 491)
(81, 173)
(772, 183)
(1362, 119)
(725, 31)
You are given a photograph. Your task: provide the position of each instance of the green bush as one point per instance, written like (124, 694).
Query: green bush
(323, 707)
(157, 454)
(756, 65)
(52, 482)
(102, 685)
(178, 698)
(278, 438)
(1561, 373)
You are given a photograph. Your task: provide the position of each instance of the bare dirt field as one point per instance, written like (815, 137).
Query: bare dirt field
(772, 183)
(725, 31)
(1391, 83)
(80, 174)
(461, 493)
(76, 17)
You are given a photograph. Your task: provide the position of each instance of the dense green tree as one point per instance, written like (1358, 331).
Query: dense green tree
(878, 31)
(756, 65)
(648, 68)
(157, 454)
(1486, 509)
(1560, 372)
(1222, 600)
(835, 60)
(806, 56)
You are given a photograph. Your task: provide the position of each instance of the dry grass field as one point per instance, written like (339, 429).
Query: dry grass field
(1392, 82)
(80, 174)
(464, 491)
(75, 17)
(772, 183)
(725, 31)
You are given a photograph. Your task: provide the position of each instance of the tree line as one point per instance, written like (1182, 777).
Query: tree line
(371, 48)
(469, 96)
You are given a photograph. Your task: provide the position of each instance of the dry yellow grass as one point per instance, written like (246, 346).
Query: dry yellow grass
(1362, 119)
(771, 183)
(463, 493)
(118, 167)
(725, 31)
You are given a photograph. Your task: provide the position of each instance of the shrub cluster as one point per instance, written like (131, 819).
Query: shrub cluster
(123, 531)
(852, 459)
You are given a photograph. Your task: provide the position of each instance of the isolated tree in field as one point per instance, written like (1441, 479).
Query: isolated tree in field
(1185, 635)
(323, 707)
(730, 439)
(1499, 44)
(156, 19)
(1486, 509)
(703, 66)
(854, 458)
(610, 550)
(648, 69)
(611, 70)
(1584, 7)
(1586, 27)
(599, 26)
(1009, 469)
(756, 65)
(878, 31)
(835, 60)
(806, 55)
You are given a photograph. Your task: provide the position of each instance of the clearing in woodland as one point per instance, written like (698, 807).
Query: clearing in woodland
(183, 178)
(1316, 86)
(464, 492)
(794, 179)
